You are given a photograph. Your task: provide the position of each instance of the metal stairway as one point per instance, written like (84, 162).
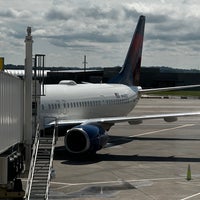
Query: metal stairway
(40, 169)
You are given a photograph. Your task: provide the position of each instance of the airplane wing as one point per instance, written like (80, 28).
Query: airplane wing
(132, 120)
(147, 91)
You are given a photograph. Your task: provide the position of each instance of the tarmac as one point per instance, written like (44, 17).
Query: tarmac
(150, 161)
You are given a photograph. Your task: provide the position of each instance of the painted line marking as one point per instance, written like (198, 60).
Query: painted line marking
(117, 181)
(163, 130)
(194, 195)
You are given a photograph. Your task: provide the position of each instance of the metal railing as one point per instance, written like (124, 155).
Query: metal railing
(50, 164)
(32, 164)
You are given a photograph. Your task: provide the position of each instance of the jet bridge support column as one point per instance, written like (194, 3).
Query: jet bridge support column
(38, 89)
(28, 97)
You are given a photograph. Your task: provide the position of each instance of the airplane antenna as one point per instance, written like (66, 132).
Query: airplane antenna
(85, 63)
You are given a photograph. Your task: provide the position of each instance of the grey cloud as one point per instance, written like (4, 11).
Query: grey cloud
(18, 30)
(100, 13)
(94, 12)
(18, 35)
(7, 13)
(12, 13)
(61, 43)
(131, 13)
(56, 14)
(195, 48)
(99, 24)
(157, 18)
(191, 36)
(90, 37)
(172, 24)
(174, 30)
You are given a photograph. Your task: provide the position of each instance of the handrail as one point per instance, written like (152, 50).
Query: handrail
(32, 164)
(50, 164)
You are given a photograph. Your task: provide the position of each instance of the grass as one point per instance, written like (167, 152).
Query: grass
(179, 93)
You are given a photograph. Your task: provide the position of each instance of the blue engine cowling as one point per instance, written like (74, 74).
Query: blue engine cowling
(87, 138)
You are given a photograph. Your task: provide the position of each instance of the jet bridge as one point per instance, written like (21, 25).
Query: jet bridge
(11, 134)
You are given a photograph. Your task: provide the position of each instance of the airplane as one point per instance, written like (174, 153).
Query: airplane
(89, 110)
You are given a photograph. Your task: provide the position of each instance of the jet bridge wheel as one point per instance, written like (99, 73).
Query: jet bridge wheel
(18, 185)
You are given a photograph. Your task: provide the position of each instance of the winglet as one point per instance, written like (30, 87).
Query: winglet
(130, 73)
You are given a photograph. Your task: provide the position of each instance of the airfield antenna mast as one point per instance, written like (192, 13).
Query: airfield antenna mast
(85, 63)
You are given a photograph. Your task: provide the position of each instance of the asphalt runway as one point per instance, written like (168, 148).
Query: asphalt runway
(146, 161)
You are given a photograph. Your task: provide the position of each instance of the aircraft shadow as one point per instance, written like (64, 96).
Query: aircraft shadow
(61, 154)
(119, 140)
(108, 157)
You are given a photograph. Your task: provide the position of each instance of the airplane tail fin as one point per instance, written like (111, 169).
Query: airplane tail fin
(130, 73)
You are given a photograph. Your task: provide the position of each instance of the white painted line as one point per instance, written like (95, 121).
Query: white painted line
(189, 197)
(116, 181)
(163, 130)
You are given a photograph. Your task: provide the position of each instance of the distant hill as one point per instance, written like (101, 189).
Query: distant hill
(162, 69)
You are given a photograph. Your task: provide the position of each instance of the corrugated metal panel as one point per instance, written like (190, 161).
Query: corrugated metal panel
(11, 111)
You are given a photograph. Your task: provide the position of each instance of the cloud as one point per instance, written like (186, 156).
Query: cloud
(13, 14)
(101, 26)
(85, 41)
(58, 14)
(8, 13)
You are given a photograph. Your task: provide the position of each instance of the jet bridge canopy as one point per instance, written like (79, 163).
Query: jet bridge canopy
(11, 111)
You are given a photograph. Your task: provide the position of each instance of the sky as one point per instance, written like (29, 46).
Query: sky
(65, 31)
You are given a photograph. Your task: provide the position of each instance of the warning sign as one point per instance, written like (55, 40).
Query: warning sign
(1, 63)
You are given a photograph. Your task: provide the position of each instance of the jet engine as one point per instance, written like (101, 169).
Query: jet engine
(86, 138)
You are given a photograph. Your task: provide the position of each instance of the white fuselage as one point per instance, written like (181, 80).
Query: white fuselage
(86, 101)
